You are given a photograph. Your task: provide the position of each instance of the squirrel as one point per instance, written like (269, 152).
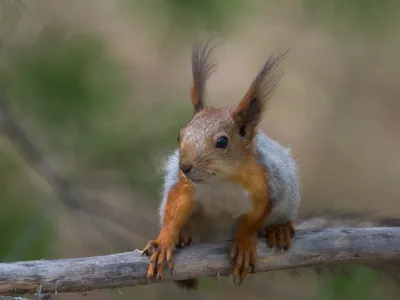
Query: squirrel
(227, 179)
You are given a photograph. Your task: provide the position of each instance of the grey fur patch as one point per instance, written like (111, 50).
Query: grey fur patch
(283, 180)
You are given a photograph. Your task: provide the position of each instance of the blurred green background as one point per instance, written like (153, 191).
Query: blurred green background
(102, 90)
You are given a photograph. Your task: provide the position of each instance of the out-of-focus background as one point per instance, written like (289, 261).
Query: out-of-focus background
(101, 89)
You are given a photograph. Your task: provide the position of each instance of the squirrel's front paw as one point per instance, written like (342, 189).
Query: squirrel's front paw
(280, 235)
(243, 254)
(163, 251)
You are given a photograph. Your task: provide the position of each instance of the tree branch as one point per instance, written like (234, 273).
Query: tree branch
(311, 248)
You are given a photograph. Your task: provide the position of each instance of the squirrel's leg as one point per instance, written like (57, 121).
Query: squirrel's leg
(178, 207)
(243, 247)
(280, 235)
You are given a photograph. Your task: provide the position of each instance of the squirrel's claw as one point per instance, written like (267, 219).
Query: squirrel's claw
(170, 261)
(149, 248)
(280, 235)
(242, 256)
(157, 259)
(184, 241)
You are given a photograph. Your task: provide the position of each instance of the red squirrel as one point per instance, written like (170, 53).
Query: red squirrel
(227, 180)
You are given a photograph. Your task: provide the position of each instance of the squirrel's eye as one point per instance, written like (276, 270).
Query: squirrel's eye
(222, 142)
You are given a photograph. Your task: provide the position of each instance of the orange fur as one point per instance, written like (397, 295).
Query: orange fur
(179, 206)
(195, 98)
(254, 178)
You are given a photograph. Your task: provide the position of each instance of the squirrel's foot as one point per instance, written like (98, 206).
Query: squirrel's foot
(184, 241)
(163, 251)
(280, 235)
(243, 255)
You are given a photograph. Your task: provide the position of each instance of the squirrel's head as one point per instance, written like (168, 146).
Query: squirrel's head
(218, 141)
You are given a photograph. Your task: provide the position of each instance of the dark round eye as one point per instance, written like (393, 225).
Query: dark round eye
(222, 142)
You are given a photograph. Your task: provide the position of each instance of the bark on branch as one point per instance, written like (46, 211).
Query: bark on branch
(311, 248)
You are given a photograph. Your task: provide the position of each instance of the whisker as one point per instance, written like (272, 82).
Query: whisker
(206, 156)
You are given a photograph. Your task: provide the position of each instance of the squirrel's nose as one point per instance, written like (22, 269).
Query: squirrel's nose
(185, 167)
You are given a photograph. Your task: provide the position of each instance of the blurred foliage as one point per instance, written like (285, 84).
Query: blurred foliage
(10, 12)
(360, 283)
(366, 15)
(68, 83)
(77, 93)
(26, 230)
(134, 151)
(73, 92)
(184, 17)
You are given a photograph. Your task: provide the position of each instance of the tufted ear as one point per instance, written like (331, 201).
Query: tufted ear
(202, 68)
(249, 111)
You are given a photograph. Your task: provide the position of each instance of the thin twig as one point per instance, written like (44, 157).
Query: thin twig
(373, 247)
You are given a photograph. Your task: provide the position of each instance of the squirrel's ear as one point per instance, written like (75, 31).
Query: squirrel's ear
(249, 111)
(202, 68)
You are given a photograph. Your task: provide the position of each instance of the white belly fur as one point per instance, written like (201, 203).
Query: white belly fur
(218, 208)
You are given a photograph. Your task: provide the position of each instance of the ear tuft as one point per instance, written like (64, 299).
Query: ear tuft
(202, 68)
(249, 111)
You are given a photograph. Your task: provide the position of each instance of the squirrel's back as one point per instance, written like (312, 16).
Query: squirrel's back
(284, 185)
